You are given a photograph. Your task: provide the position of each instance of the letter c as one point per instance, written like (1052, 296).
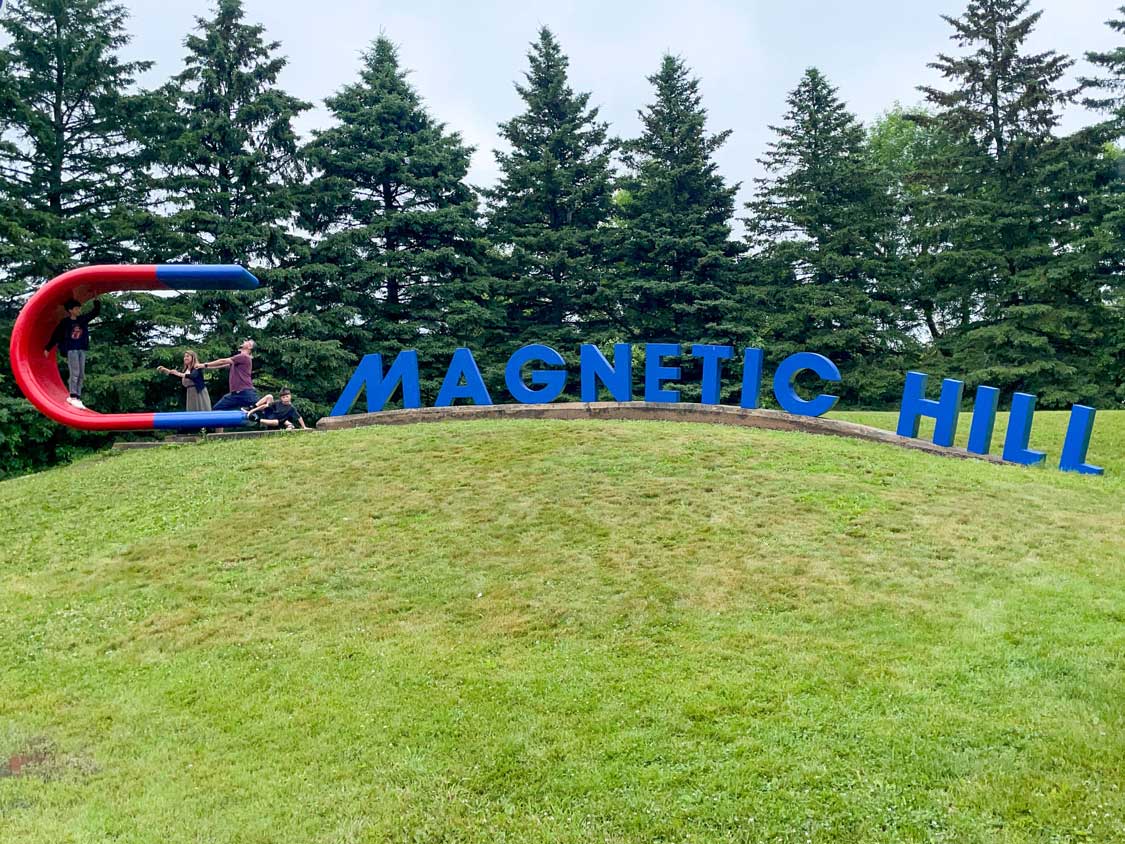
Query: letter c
(786, 375)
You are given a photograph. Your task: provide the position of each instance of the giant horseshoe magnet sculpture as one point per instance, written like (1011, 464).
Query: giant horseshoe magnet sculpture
(38, 374)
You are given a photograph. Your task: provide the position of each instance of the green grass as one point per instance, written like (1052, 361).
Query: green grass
(564, 632)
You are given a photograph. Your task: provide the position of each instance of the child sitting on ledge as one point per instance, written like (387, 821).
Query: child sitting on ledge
(277, 414)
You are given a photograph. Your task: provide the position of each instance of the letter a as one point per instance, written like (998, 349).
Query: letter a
(462, 366)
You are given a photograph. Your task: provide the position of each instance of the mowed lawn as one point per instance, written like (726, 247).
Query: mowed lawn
(564, 632)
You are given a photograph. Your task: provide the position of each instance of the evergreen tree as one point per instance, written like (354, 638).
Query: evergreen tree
(229, 164)
(677, 275)
(1110, 98)
(69, 161)
(549, 210)
(822, 226)
(996, 99)
(898, 145)
(1009, 206)
(71, 191)
(1006, 99)
(399, 258)
(1110, 89)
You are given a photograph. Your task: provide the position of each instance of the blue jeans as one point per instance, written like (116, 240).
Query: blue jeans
(237, 401)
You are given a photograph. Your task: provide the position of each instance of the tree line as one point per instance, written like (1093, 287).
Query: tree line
(967, 236)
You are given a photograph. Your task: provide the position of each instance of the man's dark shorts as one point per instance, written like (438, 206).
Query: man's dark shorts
(237, 401)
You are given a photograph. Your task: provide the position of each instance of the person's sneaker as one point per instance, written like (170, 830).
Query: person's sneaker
(73, 402)
(78, 403)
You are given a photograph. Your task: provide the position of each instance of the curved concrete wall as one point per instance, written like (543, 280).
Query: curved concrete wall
(773, 420)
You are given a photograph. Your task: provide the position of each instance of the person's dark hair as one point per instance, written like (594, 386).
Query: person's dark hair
(285, 391)
(72, 303)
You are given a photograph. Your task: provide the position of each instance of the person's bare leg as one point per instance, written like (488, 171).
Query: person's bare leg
(264, 402)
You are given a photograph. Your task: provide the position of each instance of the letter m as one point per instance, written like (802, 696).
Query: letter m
(381, 387)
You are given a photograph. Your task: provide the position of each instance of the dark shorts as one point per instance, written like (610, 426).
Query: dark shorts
(237, 401)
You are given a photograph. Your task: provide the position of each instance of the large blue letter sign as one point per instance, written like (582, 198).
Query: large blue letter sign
(786, 375)
(1078, 441)
(463, 365)
(1019, 432)
(712, 357)
(380, 388)
(553, 381)
(618, 378)
(537, 374)
(656, 373)
(945, 411)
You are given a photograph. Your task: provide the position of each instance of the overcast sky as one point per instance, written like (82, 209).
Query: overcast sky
(464, 56)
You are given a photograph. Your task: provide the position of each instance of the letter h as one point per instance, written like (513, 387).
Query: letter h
(944, 411)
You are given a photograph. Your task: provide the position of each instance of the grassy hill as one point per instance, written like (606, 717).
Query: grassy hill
(565, 632)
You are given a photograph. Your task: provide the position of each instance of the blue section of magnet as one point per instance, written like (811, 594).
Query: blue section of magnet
(202, 419)
(205, 277)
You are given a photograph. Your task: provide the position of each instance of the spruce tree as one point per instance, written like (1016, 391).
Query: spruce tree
(549, 210)
(70, 165)
(1109, 97)
(898, 144)
(997, 98)
(1006, 98)
(398, 261)
(1008, 203)
(72, 185)
(676, 278)
(822, 227)
(229, 161)
(1109, 90)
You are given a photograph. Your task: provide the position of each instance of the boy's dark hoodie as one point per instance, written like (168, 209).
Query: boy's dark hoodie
(74, 334)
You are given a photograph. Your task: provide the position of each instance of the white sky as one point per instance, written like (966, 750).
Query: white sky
(466, 55)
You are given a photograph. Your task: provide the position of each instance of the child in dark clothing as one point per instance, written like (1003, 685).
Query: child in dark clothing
(277, 414)
(72, 337)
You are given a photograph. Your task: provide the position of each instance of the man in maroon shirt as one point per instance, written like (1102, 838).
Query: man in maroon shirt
(241, 393)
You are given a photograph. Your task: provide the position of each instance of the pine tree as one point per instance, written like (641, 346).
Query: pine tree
(1110, 98)
(898, 144)
(822, 227)
(1006, 201)
(72, 187)
(997, 98)
(677, 274)
(229, 162)
(1006, 98)
(1111, 88)
(549, 210)
(69, 164)
(399, 259)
